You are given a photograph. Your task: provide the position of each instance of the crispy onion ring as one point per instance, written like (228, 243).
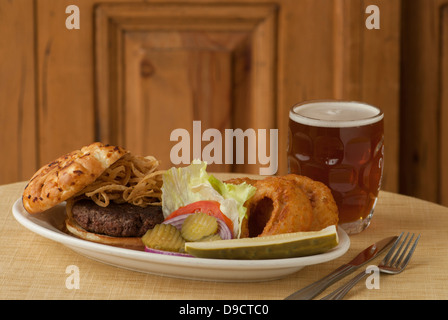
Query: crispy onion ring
(278, 206)
(325, 210)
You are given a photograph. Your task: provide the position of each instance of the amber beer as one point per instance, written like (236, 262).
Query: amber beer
(342, 145)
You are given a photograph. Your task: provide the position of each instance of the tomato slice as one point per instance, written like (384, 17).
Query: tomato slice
(210, 207)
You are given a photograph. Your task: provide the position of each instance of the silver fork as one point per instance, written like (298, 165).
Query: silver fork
(390, 264)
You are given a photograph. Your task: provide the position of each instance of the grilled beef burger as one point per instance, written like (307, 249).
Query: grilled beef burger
(111, 196)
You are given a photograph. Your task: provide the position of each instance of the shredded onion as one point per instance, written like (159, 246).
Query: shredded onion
(168, 253)
(223, 230)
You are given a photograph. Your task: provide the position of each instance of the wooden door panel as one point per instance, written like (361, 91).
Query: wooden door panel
(168, 89)
(161, 67)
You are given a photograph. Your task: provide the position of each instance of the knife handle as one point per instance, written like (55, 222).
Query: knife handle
(340, 292)
(317, 287)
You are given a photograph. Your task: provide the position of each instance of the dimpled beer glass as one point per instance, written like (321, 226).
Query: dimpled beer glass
(342, 145)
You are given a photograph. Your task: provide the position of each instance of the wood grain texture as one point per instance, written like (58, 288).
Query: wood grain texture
(443, 87)
(423, 99)
(18, 138)
(64, 80)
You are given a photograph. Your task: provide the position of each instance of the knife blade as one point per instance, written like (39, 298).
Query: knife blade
(363, 257)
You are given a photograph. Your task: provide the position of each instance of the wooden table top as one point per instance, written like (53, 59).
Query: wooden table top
(34, 267)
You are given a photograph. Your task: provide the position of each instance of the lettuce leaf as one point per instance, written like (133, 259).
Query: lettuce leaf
(182, 186)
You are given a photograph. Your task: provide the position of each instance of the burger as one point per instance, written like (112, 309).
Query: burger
(112, 196)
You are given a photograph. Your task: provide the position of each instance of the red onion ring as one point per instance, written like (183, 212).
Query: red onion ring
(168, 253)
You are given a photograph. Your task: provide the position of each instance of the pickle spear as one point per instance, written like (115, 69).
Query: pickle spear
(287, 245)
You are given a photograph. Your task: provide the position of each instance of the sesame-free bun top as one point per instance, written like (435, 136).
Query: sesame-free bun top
(68, 175)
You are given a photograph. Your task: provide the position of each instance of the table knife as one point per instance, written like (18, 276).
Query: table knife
(363, 257)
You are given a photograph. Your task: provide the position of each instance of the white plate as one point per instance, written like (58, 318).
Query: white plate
(50, 224)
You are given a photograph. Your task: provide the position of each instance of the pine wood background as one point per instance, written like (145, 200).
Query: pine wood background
(136, 70)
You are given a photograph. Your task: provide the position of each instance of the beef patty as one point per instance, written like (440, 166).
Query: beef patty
(117, 220)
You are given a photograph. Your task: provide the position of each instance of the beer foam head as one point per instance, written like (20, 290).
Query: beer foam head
(335, 114)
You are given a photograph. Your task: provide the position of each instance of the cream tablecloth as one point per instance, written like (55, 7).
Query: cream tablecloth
(33, 267)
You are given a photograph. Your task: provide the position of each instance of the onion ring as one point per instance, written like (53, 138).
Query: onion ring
(278, 206)
(325, 210)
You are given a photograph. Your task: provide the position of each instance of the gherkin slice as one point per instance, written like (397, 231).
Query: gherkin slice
(198, 226)
(164, 237)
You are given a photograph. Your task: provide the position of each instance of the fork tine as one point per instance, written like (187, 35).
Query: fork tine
(411, 252)
(405, 250)
(392, 249)
(392, 262)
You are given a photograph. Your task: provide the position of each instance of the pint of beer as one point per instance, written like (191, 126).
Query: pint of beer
(342, 145)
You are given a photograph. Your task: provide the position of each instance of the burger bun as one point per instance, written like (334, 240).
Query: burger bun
(69, 174)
